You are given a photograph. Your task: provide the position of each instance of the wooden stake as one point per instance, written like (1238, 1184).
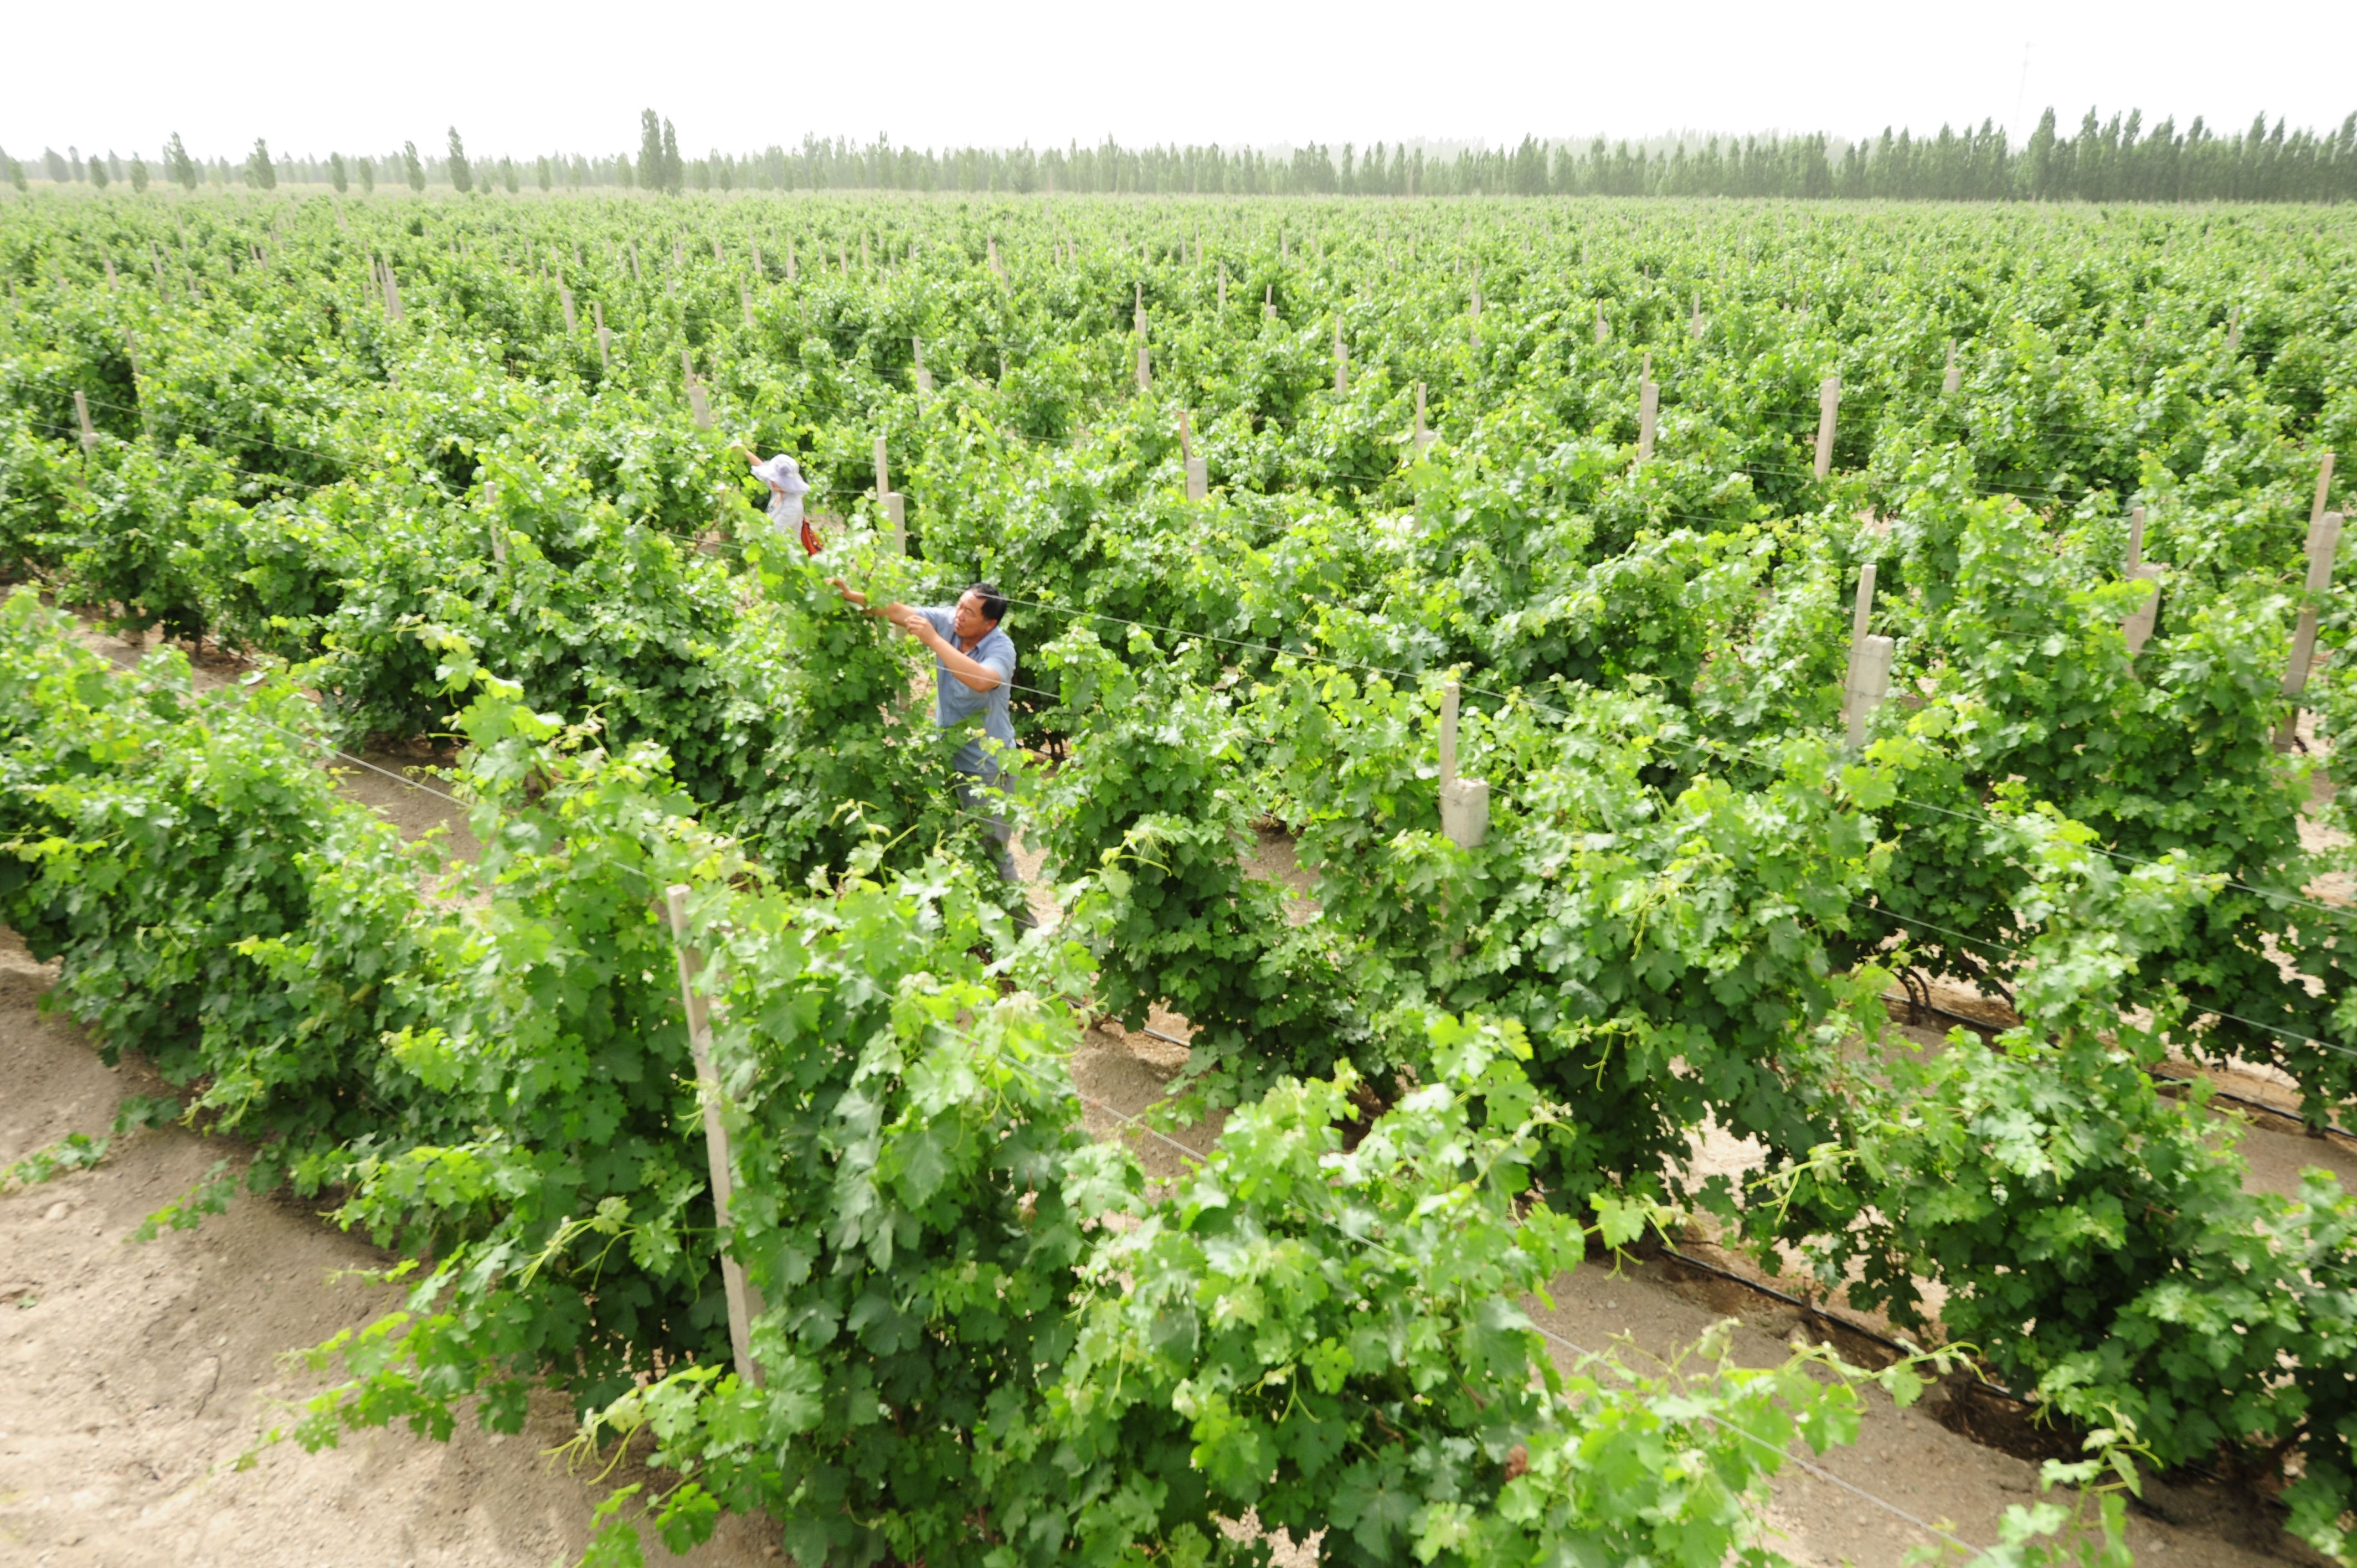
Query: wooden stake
(605, 338)
(883, 471)
(2234, 330)
(1145, 372)
(1341, 362)
(1449, 701)
(1602, 332)
(1268, 304)
(1865, 607)
(2136, 542)
(791, 275)
(2323, 488)
(1870, 684)
(89, 432)
(498, 533)
(2137, 626)
(742, 1303)
(1828, 402)
(1870, 660)
(138, 387)
(1199, 478)
(924, 376)
(1954, 378)
(1464, 802)
(1649, 401)
(2323, 544)
(564, 297)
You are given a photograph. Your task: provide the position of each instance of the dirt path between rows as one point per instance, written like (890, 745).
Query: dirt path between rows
(133, 1376)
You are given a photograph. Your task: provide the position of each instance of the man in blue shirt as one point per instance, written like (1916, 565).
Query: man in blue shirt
(973, 666)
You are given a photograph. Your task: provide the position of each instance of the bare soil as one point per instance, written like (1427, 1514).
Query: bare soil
(134, 1375)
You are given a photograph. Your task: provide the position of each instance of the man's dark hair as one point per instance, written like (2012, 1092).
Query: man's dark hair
(994, 603)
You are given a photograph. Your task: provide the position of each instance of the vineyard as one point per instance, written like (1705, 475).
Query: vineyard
(1679, 641)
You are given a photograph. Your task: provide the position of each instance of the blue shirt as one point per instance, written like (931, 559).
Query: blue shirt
(956, 703)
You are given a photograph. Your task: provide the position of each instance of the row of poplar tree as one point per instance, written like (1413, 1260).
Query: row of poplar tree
(261, 171)
(2122, 159)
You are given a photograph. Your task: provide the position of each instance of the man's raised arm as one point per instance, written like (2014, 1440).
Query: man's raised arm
(859, 600)
(907, 618)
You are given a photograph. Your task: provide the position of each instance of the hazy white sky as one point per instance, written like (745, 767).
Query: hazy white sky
(363, 77)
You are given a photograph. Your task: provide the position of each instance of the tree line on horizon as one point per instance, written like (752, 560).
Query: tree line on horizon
(2120, 159)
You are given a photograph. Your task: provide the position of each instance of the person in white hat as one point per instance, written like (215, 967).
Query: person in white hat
(787, 487)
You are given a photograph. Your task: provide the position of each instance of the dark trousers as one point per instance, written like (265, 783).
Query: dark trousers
(971, 801)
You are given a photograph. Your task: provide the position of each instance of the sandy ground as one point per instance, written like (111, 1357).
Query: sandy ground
(132, 1375)
(137, 1374)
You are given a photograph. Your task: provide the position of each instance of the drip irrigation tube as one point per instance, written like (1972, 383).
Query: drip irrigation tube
(1813, 1310)
(1987, 1030)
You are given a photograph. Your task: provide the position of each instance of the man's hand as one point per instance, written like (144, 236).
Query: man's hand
(907, 617)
